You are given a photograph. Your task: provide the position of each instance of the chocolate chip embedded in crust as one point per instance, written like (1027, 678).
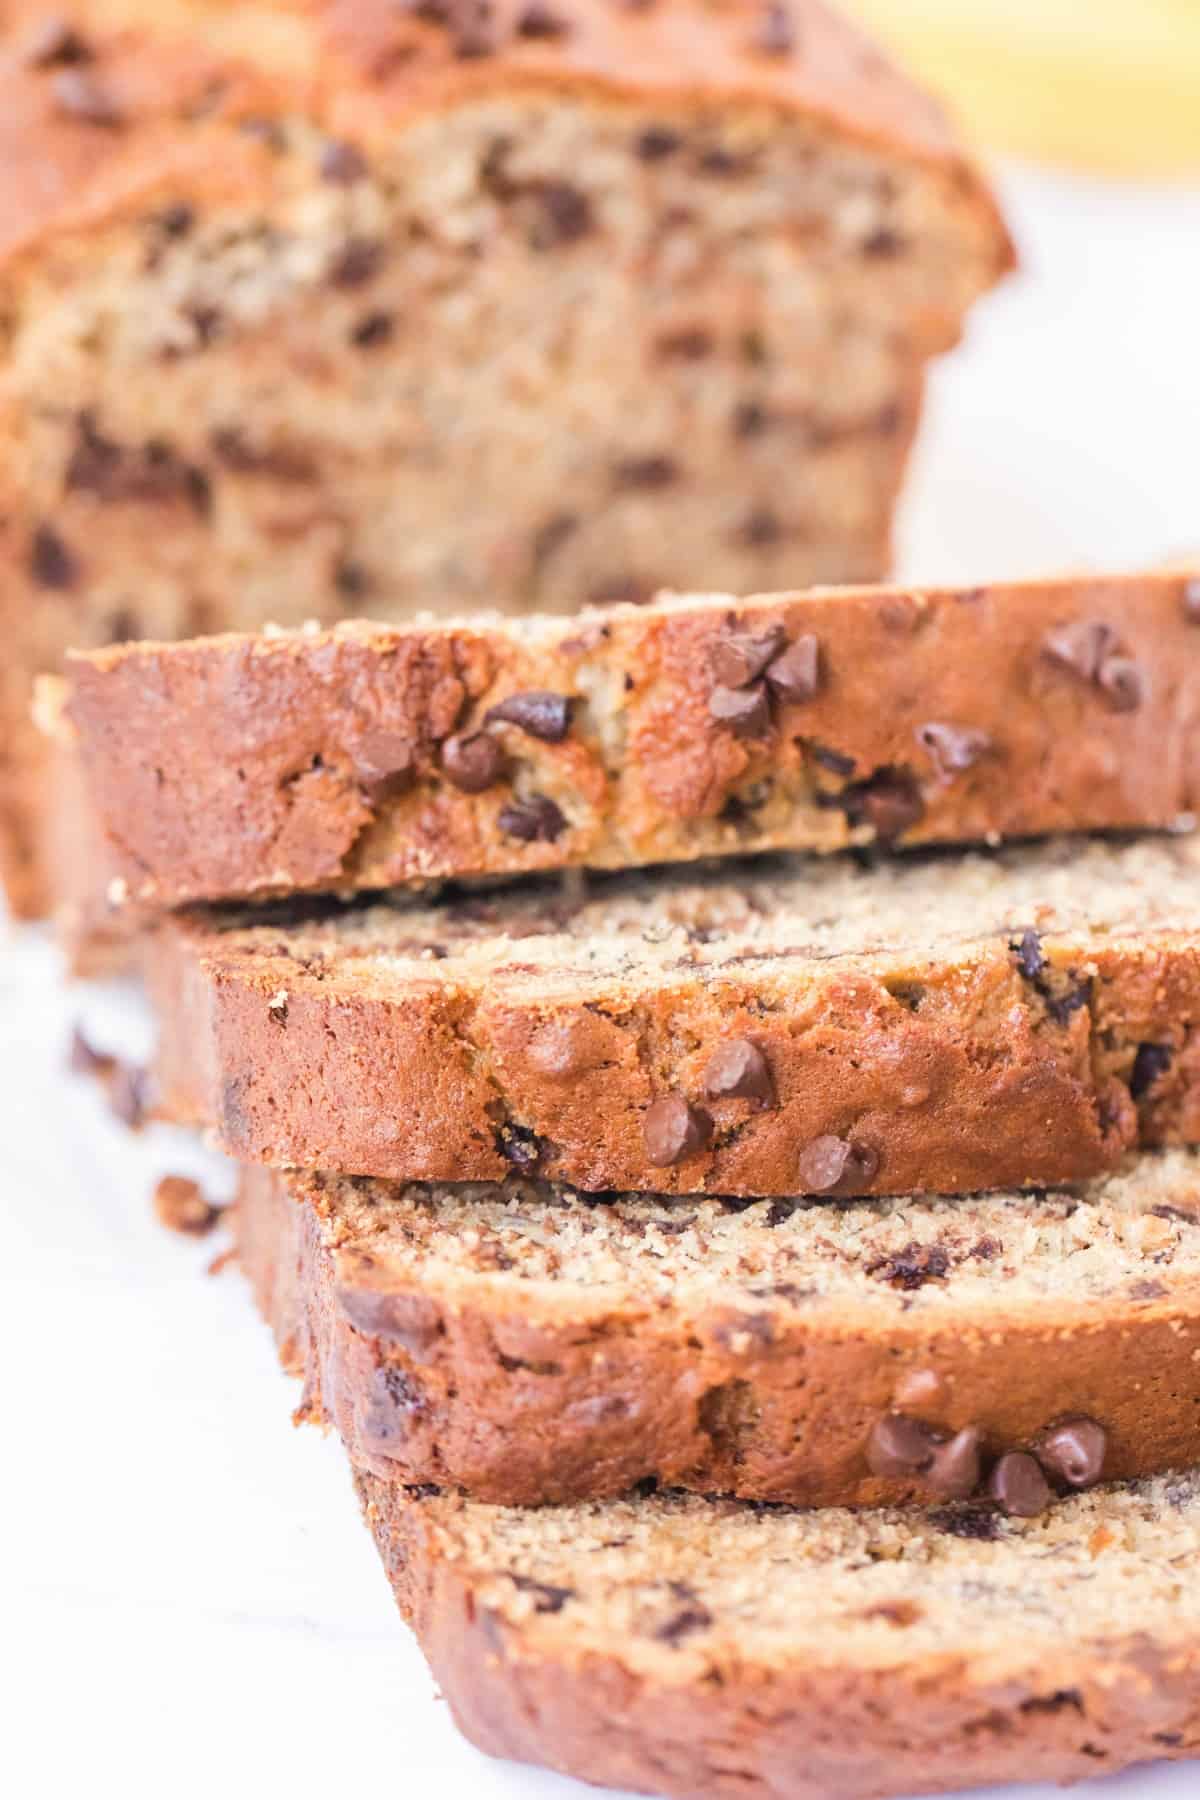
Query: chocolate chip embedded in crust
(673, 1130)
(391, 1403)
(739, 1071)
(536, 820)
(889, 802)
(1122, 683)
(182, 1205)
(746, 711)
(954, 748)
(795, 676)
(832, 1162)
(78, 93)
(900, 1446)
(955, 1471)
(542, 715)
(1081, 646)
(1018, 1486)
(473, 762)
(342, 163)
(1151, 1062)
(51, 563)
(1030, 960)
(1073, 1451)
(520, 1146)
(740, 657)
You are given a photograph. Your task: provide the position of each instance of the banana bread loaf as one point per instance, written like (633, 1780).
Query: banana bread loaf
(526, 1343)
(723, 1651)
(367, 756)
(355, 302)
(936, 1022)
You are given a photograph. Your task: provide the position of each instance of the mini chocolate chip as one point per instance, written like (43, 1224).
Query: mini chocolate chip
(536, 820)
(910, 1268)
(76, 91)
(1073, 1451)
(380, 754)
(746, 711)
(645, 472)
(1081, 646)
(795, 676)
(564, 215)
(656, 142)
(740, 657)
(54, 40)
(830, 1162)
(834, 760)
(51, 563)
(689, 1618)
(542, 715)
(888, 801)
(373, 328)
(358, 262)
(342, 163)
(954, 748)
(540, 21)
(739, 1071)
(182, 1205)
(176, 221)
(673, 1130)
(1191, 601)
(954, 1473)
(690, 343)
(899, 1446)
(972, 1522)
(520, 1146)
(760, 526)
(1122, 683)
(883, 243)
(1029, 956)
(776, 33)
(1018, 1486)
(473, 762)
(749, 419)
(546, 1597)
(1151, 1062)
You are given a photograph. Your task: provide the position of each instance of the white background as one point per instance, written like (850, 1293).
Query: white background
(189, 1603)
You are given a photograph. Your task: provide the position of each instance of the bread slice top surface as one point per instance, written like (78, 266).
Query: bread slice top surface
(1130, 1241)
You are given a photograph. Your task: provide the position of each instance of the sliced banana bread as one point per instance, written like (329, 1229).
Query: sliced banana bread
(526, 1343)
(936, 1022)
(723, 1651)
(368, 756)
(356, 301)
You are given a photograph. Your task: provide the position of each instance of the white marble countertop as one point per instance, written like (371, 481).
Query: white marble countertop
(190, 1604)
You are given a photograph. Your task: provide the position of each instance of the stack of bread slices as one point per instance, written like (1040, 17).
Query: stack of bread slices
(759, 1294)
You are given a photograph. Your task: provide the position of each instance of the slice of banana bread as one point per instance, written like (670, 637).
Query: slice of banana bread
(526, 1343)
(723, 1651)
(938, 1022)
(355, 301)
(368, 756)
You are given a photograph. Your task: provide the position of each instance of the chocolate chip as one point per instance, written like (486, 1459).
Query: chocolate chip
(1081, 646)
(1151, 1062)
(373, 328)
(1073, 1451)
(673, 1130)
(552, 536)
(645, 472)
(910, 1268)
(564, 215)
(129, 1094)
(656, 142)
(739, 1071)
(760, 526)
(1122, 683)
(51, 563)
(542, 715)
(182, 1205)
(1060, 1006)
(176, 221)
(795, 676)
(1030, 960)
(1018, 1486)
(520, 1146)
(954, 1473)
(1191, 601)
(408, 1319)
(749, 419)
(281, 462)
(882, 244)
(54, 40)
(539, 21)
(900, 1446)
(153, 472)
(966, 1522)
(746, 711)
(350, 579)
(536, 820)
(546, 1597)
(77, 92)
(776, 32)
(390, 1404)
(690, 343)
(834, 760)
(954, 748)
(740, 657)
(473, 762)
(358, 262)
(342, 163)
(690, 1618)
(888, 801)
(381, 754)
(830, 1163)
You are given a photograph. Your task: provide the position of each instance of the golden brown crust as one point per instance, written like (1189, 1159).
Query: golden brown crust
(522, 1393)
(785, 1731)
(243, 765)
